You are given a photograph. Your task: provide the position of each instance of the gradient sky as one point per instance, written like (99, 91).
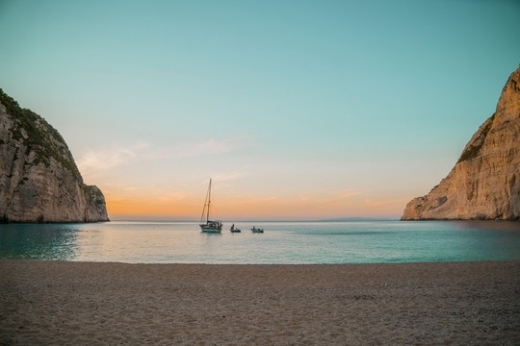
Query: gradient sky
(296, 109)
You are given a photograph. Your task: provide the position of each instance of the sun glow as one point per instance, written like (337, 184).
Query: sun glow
(268, 208)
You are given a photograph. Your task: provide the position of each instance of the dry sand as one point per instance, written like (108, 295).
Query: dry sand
(70, 303)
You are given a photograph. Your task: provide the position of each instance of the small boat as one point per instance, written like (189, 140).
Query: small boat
(257, 230)
(210, 226)
(234, 229)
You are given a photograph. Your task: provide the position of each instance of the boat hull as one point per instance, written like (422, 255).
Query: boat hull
(210, 230)
(211, 227)
(234, 229)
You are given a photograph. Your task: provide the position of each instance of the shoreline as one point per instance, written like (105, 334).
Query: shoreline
(100, 303)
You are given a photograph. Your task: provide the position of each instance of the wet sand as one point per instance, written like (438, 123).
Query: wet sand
(72, 303)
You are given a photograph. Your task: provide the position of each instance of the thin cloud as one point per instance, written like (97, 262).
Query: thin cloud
(330, 198)
(208, 147)
(197, 148)
(348, 194)
(101, 160)
(385, 202)
(233, 175)
(92, 161)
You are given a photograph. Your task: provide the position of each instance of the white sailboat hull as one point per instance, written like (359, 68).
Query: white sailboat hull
(211, 227)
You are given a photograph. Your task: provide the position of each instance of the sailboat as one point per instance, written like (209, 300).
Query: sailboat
(209, 226)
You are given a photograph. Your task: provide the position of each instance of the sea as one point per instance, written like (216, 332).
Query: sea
(302, 242)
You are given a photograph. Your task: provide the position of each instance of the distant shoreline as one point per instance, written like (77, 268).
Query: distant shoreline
(309, 220)
(51, 223)
(255, 220)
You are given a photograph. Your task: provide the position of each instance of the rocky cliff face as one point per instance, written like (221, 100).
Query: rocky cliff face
(39, 180)
(485, 182)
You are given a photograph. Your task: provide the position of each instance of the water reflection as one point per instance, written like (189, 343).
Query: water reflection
(283, 242)
(489, 225)
(31, 241)
(488, 240)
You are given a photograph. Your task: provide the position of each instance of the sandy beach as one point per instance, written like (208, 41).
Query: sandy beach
(72, 303)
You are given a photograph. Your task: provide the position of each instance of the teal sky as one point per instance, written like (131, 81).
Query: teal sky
(297, 109)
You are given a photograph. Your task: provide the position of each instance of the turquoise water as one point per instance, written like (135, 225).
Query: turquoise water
(282, 242)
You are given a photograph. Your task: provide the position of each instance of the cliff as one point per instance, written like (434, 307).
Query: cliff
(485, 182)
(39, 180)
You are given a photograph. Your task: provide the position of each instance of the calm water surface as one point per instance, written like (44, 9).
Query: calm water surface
(282, 242)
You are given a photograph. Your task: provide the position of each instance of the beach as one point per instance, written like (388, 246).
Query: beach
(91, 303)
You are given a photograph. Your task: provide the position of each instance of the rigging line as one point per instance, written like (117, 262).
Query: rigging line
(206, 204)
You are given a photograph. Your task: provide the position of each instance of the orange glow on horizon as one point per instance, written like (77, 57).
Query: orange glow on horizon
(248, 209)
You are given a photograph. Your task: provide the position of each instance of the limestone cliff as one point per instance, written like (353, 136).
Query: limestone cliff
(39, 180)
(485, 182)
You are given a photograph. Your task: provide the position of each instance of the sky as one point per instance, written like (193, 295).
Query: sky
(296, 109)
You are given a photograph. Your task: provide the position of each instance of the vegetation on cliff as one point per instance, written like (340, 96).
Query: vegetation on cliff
(473, 149)
(38, 136)
(39, 180)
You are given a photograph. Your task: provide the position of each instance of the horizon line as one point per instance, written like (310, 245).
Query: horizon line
(336, 219)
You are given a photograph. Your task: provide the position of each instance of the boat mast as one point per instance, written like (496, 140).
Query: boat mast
(209, 199)
(206, 204)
